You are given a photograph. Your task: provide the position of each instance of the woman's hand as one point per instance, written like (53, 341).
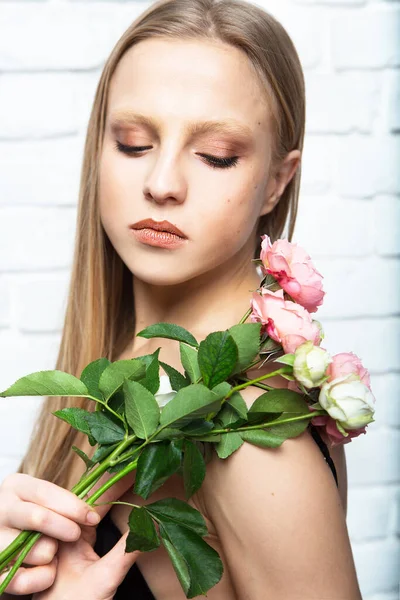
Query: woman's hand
(82, 575)
(30, 503)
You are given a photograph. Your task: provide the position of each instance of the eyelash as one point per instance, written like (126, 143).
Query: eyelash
(213, 161)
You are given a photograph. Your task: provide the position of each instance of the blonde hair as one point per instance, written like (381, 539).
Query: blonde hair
(99, 319)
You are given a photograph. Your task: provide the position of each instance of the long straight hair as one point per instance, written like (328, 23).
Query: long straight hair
(100, 317)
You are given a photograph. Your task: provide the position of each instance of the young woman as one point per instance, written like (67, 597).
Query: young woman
(197, 125)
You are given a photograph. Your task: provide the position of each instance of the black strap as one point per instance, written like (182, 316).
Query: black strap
(324, 450)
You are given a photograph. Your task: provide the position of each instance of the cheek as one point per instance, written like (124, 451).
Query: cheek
(112, 191)
(236, 215)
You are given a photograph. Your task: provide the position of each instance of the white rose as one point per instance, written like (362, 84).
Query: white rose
(348, 400)
(310, 363)
(165, 393)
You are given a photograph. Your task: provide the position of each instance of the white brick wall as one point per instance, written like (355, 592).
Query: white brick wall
(51, 54)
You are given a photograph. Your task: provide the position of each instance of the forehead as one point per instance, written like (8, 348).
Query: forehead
(193, 80)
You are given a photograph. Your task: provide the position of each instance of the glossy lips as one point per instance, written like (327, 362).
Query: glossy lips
(158, 226)
(162, 234)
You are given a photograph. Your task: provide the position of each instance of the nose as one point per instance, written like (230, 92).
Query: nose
(165, 181)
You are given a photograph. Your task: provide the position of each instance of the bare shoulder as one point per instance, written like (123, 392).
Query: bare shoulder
(281, 522)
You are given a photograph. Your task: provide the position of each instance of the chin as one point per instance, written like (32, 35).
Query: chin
(160, 275)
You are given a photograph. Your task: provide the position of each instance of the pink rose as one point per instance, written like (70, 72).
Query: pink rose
(285, 321)
(346, 363)
(334, 435)
(293, 269)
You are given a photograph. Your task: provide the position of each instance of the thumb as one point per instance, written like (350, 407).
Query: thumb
(113, 566)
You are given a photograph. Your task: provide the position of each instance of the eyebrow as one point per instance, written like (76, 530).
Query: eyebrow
(229, 126)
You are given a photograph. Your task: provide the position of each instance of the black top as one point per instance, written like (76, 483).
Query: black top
(134, 584)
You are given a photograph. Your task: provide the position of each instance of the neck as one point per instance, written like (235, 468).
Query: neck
(212, 301)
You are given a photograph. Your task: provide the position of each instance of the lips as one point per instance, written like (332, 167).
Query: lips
(158, 226)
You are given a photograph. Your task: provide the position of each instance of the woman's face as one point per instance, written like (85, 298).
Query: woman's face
(175, 86)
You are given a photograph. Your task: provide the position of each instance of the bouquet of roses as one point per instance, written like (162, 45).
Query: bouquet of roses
(159, 426)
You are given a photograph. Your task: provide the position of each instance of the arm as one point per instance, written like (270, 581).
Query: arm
(279, 517)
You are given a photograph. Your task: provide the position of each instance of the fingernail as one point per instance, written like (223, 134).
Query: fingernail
(93, 517)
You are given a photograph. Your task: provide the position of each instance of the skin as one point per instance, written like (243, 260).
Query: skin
(282, 496)
(218, 209)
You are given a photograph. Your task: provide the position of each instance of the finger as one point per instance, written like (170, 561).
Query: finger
(26, 515)
(42, 552)
(112, 568)
(48, 495)
(113, 493)
(31, 580)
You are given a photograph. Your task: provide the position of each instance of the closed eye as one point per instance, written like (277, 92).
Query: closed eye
(213, 161)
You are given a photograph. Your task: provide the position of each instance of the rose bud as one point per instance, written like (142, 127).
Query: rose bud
(310, 363)
(348, 400)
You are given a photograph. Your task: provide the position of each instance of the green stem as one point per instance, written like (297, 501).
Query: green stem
(245, 316)
(119, 502)
(253, 364)
(125, 456)
(110, 482)
(262, 386)
(19, 561)
(310, 415)
(102, 468)
(120, 417)
(131, 467)
(27, 539)
(248, 382)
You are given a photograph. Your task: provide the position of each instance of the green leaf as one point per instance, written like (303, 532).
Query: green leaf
(117, 372)
(286, 359)
(47, 383)
(270, 345)
(170, 331)
(117, 402)
(191, 402)
(204, 564)
(230, 442)
(119, 466)
(179, 563)
(268, 280)
(279, 400)
(211, 437)
(189, 362)
(88, 462)
(180, 512)
(316, 406)
(157, 462)
(103, 429)
(238, 404)
(197, 426)
(169, 433)
(288, 376)
(217, 357)
(91, 376)
(151, 381)
(262, 437)
(222, 389)
(142, 532)
(289, 429)
(176, 378)
(76, 417)
(194, 468)
(274, 436)
(228, 417)
(247, 338)
(141, 409)
(103, 451)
